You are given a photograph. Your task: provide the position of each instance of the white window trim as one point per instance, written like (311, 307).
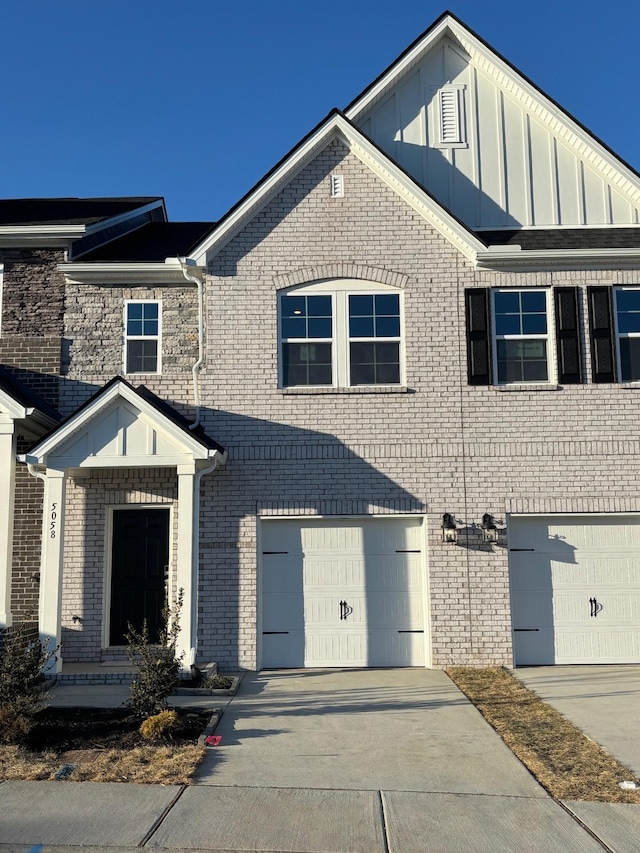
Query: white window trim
(549, 337)
(620, 335)
(127, 338)
(339, 290)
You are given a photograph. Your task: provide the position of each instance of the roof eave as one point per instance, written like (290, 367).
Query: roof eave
(514, 258)
(169, 272)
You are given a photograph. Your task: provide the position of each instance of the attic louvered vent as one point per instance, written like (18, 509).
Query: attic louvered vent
(451, 116)
(337, 186)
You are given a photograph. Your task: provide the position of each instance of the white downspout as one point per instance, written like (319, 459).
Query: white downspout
(195, 370)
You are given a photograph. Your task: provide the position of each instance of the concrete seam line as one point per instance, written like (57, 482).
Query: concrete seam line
(584, 826)
(383, 818)
(159, 821)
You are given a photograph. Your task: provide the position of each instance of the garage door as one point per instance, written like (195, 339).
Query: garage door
(575, 589)
(342, 593)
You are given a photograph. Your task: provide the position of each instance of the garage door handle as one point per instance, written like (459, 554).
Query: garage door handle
(345, 610)
(596, 607)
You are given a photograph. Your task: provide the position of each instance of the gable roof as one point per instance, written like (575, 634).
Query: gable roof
(577, 179)
(337, 126)
(117, 440)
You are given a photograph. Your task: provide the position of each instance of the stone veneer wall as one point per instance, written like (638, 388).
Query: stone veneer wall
(31, 349)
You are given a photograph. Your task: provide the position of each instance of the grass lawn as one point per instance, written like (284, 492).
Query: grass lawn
(563, 760)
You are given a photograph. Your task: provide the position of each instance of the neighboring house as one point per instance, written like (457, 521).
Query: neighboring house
(415, 345)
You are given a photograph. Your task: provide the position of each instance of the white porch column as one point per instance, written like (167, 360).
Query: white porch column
(50, 605)
(7, 490)
(186, 576)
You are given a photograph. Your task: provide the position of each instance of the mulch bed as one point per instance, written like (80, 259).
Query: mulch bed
(62, 729)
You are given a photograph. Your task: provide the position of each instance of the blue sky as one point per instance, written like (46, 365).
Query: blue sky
(196, 99)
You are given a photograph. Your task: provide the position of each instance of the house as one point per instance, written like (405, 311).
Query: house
(382, 413)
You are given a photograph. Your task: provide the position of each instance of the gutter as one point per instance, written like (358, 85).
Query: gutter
(514, 257)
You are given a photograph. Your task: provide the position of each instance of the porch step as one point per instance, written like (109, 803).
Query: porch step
(108, 673)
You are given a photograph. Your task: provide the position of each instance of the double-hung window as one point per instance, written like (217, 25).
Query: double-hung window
(340, 334)
(627, 313)
(374, 339)
(142, 324)
(521, 336)
(307, 339)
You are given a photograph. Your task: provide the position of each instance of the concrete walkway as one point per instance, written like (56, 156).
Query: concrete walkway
(375, 761)
(602, 701)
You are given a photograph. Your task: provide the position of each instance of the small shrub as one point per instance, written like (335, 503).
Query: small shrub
(22, 663)
(158, 666)
(160, 726)
(217, 682)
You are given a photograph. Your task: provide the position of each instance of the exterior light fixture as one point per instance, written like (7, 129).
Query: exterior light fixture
(489, 530)
(449, 530)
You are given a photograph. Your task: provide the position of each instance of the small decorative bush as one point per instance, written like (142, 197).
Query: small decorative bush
(217, 682)
(160, 726)
(158, 666)
(22, 663)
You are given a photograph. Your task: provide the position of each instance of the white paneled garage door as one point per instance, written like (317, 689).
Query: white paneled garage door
(575, 589)
(342, 592)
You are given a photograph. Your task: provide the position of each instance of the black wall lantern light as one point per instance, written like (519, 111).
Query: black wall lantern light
(489, 530)
(449, 530)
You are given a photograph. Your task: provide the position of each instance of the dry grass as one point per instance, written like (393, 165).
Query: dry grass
(565, 762)
(160, 765)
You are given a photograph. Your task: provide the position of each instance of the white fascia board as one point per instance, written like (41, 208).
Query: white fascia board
(513, 258)
(399, 69)
(265, 192)
(12, 408)
(54, 236)
(169, 272)
(336, 127)
(38, 454)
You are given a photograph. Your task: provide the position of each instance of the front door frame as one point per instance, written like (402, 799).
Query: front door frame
(109, 530)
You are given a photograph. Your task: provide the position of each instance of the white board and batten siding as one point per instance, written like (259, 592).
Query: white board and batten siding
(519, 164)
(343, 592)
(575, 589)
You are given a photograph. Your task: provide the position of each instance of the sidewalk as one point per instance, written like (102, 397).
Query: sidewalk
(317, 762)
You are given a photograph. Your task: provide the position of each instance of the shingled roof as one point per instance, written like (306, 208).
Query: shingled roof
(153, 242)
(68, 211)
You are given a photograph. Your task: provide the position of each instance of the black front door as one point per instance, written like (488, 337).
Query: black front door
(140, 554)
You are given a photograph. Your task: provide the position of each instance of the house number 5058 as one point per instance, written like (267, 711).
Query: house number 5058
(53, 525)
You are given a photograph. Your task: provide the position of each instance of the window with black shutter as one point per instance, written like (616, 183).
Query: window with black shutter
(478, 336)
(601, 334)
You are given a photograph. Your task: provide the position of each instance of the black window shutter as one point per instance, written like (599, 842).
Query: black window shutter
(478, 337)
(603, 363)
(568, 335)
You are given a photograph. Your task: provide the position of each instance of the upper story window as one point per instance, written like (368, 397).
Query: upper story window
(521, 336)
(142, 324)
(627, 313)
(340, 334)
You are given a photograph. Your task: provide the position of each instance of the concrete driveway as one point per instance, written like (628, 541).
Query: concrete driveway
(602, 701)
(389, 729)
